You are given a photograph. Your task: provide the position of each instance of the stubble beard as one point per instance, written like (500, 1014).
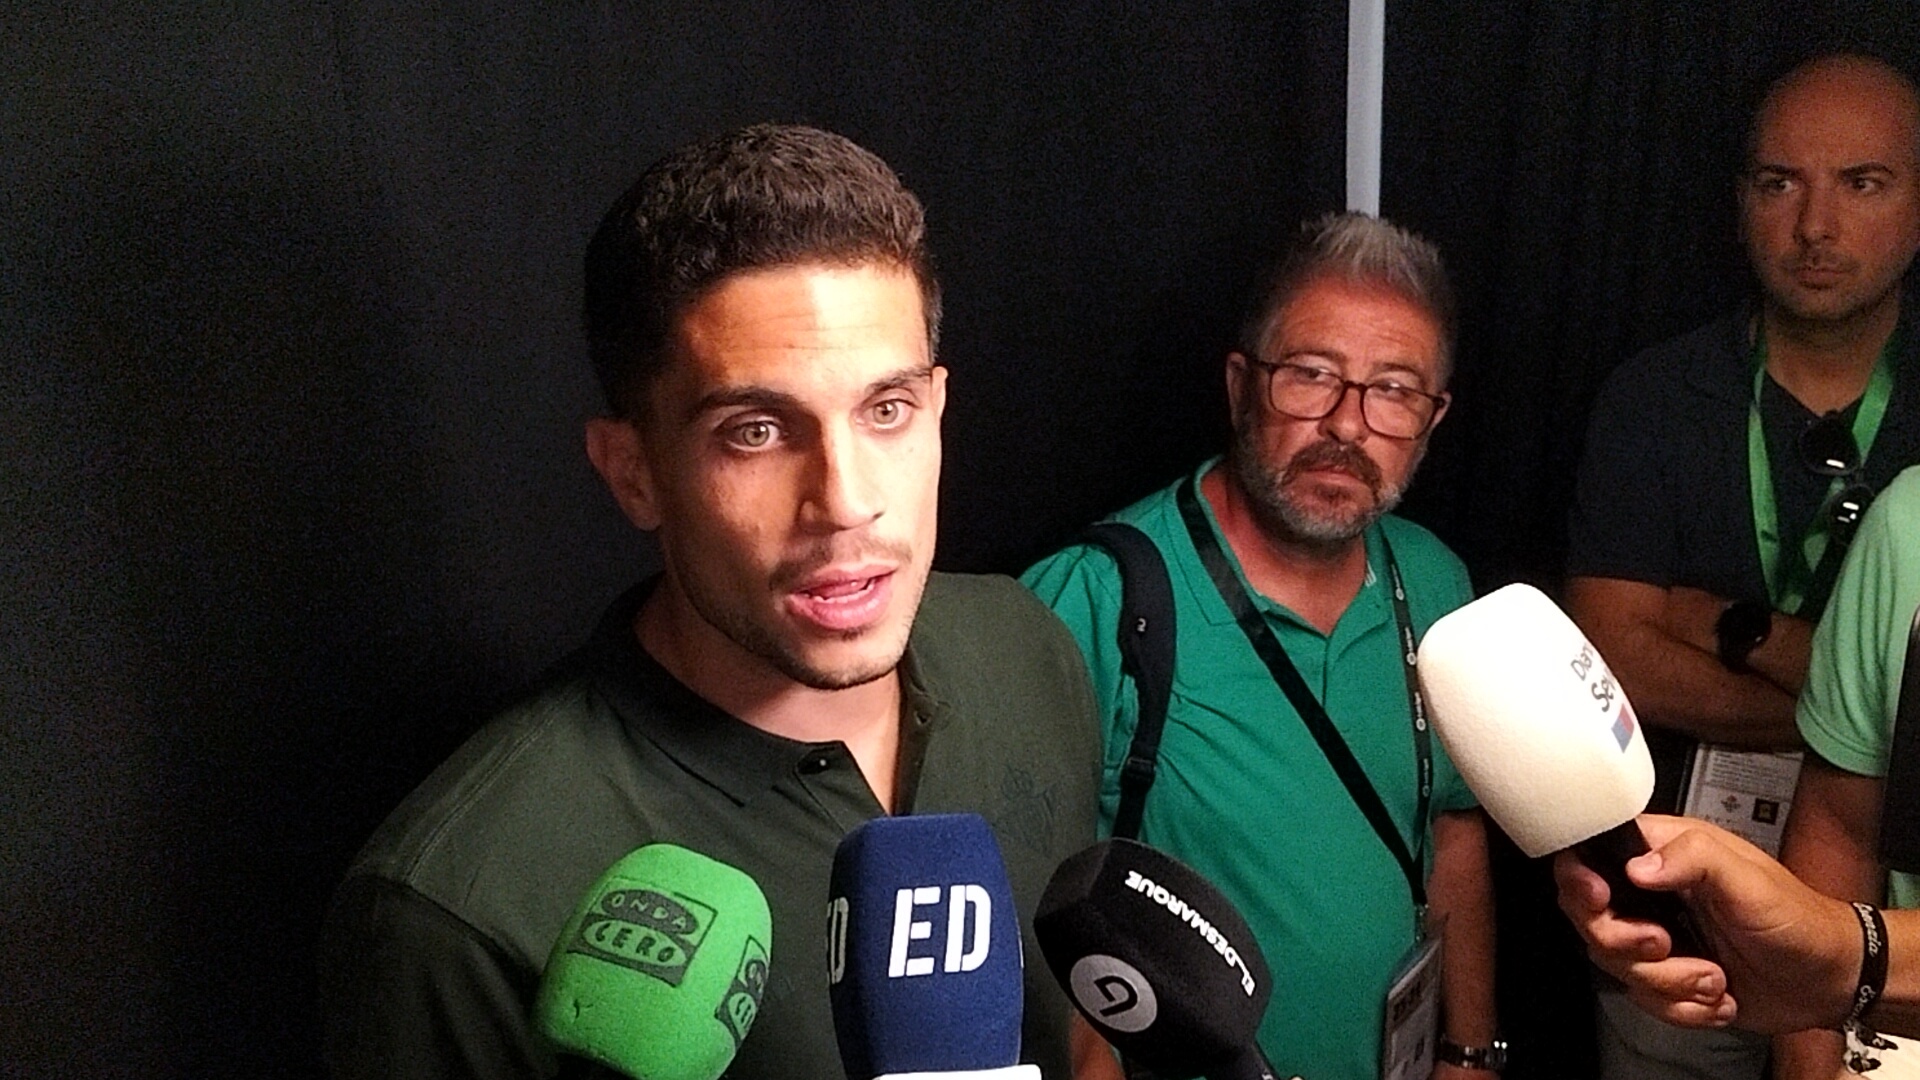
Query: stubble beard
(1831, 310)
(1276, 509)
(761, 639)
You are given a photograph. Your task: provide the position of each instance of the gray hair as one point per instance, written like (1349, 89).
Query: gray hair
(1363, 249)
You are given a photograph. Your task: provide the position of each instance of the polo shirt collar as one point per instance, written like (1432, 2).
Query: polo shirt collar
(740, 760)
(1370, 606)
(1728, 373)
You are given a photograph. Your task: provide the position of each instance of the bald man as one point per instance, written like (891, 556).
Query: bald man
(1725, 469)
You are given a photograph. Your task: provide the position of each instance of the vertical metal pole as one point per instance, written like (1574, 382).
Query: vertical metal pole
(1366, 68)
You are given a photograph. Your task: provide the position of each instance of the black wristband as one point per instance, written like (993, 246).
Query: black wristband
(1863, 1043)
(1873, 961)
(1487, 1058)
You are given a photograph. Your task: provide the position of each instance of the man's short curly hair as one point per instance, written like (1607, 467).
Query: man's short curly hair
(761, 197)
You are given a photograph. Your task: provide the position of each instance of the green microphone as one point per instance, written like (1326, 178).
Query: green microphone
(659, 973)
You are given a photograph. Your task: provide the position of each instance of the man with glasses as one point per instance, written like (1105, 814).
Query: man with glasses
(1725, 471)
(1294, 769)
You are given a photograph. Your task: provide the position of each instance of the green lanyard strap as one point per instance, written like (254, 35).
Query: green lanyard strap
(1789, 574)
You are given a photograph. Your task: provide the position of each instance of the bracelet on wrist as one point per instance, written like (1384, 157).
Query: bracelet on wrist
(1862, 1040)
(1488, 1058)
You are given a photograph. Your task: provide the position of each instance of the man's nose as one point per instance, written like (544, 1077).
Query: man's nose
(1818, 220)
(1348, 421)
(843, 492)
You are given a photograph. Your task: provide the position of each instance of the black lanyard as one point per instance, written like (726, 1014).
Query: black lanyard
(1314, 714)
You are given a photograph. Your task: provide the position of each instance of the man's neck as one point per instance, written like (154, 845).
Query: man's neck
(1826, 364)
(1315, 581)
(866, 717)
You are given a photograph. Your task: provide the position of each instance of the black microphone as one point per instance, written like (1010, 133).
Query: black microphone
(1157, 961)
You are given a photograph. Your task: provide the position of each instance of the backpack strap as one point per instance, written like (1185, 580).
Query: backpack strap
(1146, 653)
(1900, 808)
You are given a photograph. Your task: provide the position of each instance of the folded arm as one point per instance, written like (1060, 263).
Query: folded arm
(1660, 644)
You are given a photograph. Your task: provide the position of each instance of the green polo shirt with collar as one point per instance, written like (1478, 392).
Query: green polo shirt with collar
(1859, 656)
(436, 939)
(1243, 793)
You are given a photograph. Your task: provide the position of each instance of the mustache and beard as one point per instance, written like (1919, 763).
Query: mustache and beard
(750, 625)
(1323, 525)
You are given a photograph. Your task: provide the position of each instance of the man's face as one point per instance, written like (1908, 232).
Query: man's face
(792, 466)
(1830, 208)
(1322, 482)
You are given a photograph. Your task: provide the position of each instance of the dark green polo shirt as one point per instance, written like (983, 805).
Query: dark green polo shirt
(437, 938)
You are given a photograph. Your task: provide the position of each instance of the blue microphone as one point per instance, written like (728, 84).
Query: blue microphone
(923, 952)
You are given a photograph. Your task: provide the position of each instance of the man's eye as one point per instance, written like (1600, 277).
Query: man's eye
(753, 434)
(1391, 391)
(889, 413)
(1867, 184)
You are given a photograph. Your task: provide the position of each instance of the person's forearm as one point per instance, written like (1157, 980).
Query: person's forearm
(1830, 845)
(1693, 616)
(1899, 1010)
(1828, 1000)
(1461, 896)
(1677, 686)
(1782, 658)
(1665, 662)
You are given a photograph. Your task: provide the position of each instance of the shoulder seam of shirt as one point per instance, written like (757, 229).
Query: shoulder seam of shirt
(536, 727)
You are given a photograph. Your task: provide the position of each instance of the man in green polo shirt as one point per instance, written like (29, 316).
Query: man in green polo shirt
(1341, 376)
(1846, 715)
(762, 317)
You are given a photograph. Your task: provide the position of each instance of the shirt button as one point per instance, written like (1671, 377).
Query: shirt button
(816, 762)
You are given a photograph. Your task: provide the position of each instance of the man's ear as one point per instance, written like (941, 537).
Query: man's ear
(939, 392)
(619, 456)
(1236, 379)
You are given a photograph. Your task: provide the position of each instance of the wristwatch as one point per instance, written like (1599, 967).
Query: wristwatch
(1741, 628)
(1490, 1058)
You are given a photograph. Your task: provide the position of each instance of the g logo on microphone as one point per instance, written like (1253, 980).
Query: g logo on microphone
(1113, 993)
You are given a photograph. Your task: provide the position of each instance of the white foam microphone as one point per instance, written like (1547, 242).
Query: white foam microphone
(1541, 731)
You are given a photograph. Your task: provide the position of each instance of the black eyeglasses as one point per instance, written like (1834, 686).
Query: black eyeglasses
(1827, 449)
(1391, 409)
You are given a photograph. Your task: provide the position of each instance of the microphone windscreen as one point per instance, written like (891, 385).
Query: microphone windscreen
(1534, 721)
(1159, 962)
(923, 949)
(659, 973)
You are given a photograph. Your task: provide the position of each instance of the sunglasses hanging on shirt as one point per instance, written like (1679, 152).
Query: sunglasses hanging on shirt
(1827, 448)
(1831, 446)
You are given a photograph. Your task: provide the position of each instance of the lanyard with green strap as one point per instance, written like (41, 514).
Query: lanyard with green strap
(1788, 579)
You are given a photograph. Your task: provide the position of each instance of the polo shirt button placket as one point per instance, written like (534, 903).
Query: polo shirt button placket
(816, 762)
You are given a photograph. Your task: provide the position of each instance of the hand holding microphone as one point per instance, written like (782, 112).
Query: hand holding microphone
(660, 972)
(1545, 737)
(923, 952)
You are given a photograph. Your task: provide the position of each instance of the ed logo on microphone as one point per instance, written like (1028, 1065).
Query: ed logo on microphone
(966, 910)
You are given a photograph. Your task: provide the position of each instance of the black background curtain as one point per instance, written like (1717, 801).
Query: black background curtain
(291, 484)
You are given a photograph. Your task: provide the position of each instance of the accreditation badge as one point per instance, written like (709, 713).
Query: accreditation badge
(1412, 1018)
